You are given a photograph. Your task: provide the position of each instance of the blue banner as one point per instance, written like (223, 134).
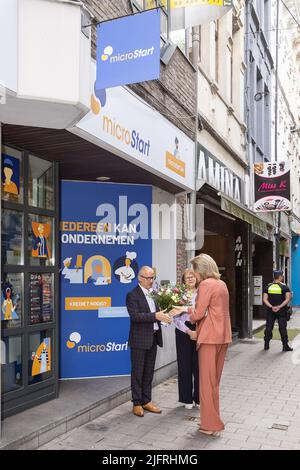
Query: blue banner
(105, 236)
(128, 50)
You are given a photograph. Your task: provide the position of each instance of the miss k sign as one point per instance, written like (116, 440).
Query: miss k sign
(128, 50)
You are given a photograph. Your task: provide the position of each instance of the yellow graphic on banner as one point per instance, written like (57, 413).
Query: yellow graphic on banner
(87, 303)
(193, 3)
(175, 165)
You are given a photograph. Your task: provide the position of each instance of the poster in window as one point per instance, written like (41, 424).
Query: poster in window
(11, 294)
(10, 175)
(41, 298)
(42, 358)
(41, 233)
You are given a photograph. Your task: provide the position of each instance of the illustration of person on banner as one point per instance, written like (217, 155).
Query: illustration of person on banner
(176, 150)
(98, 275)
(126, 273)
(74, 275)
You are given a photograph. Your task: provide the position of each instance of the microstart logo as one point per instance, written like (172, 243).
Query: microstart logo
(111, 346)
(107, 53)
(136, 54)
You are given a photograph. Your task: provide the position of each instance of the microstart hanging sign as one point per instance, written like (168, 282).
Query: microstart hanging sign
(105, 235)
(272, 187)
(128, 50)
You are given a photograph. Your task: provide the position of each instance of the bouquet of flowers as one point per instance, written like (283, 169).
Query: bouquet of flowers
(167, 296)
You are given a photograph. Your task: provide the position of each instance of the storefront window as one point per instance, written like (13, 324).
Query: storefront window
(179, 38)
(41, 183)
(138, 5)
(40, 243)
(11, 240)
(164, 24)
(41, 298)
(28, 274)
(11, 363)
(40, 356)
(11, 175)
(12, 300)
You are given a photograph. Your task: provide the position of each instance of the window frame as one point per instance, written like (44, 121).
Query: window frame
(32, 394)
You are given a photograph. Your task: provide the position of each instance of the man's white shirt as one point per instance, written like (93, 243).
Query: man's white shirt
(151, 304)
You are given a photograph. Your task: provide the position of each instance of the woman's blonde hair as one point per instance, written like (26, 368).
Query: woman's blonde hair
(190, 271)
(206, 266)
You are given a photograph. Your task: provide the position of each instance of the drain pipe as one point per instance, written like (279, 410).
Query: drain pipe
(193, 194)
(278, 215)
(1, 351)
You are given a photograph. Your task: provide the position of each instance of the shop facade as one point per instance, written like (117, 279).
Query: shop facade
(225, 237)
(36, 336)
(295, 254)
(240, 241)
(44, 142)
(35, 339)
(34, 94)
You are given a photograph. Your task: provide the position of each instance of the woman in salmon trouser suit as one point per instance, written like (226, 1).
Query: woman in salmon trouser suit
(213, 336)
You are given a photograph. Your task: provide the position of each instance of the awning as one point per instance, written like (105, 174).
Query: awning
(259, 226)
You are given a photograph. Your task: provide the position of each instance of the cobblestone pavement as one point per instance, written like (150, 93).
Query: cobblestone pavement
(260, 405)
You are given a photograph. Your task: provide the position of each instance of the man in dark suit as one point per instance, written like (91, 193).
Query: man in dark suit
(144, 337)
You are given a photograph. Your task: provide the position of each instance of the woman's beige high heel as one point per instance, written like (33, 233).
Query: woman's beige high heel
(210, 433)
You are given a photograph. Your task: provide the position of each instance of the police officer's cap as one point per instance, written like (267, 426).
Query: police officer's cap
(277, 273)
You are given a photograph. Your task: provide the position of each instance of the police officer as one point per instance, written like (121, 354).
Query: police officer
(276, 297)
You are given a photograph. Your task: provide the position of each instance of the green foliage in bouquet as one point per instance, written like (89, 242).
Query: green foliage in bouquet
(167, 296)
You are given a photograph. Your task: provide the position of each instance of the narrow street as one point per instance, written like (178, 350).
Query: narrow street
(150, 196)
(259, 403)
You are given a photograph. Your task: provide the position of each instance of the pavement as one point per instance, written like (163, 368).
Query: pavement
(260, 405)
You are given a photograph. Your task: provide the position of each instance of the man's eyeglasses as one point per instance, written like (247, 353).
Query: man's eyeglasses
(148, 278)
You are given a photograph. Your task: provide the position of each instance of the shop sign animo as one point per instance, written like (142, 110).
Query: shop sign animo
(219, 176)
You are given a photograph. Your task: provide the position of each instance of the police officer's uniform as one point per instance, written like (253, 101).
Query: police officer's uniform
(276, 292)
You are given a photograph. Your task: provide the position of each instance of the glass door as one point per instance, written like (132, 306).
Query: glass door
(29, 280)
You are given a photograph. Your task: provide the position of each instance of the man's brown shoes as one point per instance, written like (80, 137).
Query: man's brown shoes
(138, 411)
(152, 408)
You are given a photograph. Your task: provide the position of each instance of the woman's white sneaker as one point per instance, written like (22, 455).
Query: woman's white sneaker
(189, 406)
